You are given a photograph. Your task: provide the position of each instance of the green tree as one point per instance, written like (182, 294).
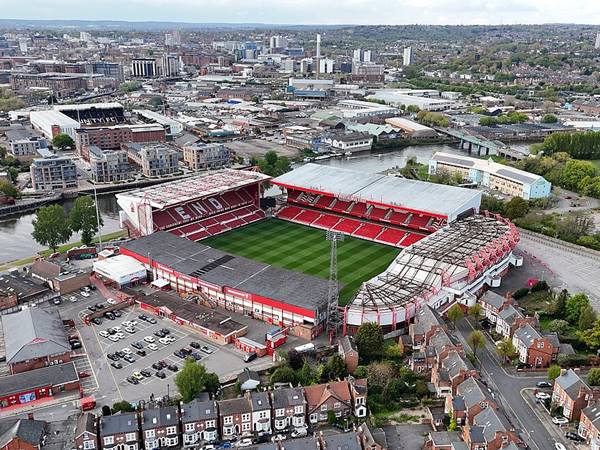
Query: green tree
(476, 313)
(122, 406)
(455, 313)
(295, 359)
(62, 141)
(306, 374)
(83, 219)
(336, 367)
(283, 374)
(51, 226)
(130, 86)
(156, 101)
(190, 380)
(549, 118)
(587, 317)
(574, 306)
(594, 377)
(591, 337)
(553, 372)
(331, 417)
(211, 382)
(452, 425)
(8, 189)
(575, 171)
(488, 121)
(369, 340)
(476, 340)
(516, 207)
(506, 350)
(558, 326)
(559, 308)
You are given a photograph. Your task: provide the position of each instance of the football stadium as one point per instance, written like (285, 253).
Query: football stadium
(406, 243)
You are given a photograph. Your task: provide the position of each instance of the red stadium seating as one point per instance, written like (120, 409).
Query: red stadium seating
(419, 221)
(324, 202)
(377, 213)
(163, 219)
(411, 238)
(359, 209)
(198, 235)
(398, 218)
(307, 216)
(341, 206)
(347, 226)
(391, 236)
(326, 221)
(292, 195)
(289, 212)
(368, 231)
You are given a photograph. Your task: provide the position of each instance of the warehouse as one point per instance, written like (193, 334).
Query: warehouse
(121, 270)
(262, 291)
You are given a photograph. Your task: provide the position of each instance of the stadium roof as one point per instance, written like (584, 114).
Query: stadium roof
(436, 199)
(222, 269)
(194, 188)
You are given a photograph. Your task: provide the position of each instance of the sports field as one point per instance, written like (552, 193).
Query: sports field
(304, 249)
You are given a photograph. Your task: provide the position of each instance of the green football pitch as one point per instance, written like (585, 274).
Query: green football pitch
(304, 249)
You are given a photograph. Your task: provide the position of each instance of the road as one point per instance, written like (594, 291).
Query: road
(508, 389)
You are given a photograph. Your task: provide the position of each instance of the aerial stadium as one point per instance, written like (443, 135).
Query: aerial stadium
(407, 243)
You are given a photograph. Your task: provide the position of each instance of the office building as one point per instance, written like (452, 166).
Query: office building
(108, 166)
(173, 38)
(105, 68)
(364, 71)
(144, 68)
(21, 144)
(111, 137)
(61, 84)
(53, 172)
(498, 177)
(597, 45)
(169, 65)
(326, 65)
(408, 57)
(206, 156)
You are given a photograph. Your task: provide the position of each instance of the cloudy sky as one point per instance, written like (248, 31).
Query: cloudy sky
(461, 12)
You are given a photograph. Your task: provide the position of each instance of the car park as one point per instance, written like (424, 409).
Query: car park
(116, 365)
(137, 345)
(153, 347)
(97, 321)
(160, 374)
(129, 358)
(149, 339)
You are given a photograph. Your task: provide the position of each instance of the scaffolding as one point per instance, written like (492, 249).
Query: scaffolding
(334, 318)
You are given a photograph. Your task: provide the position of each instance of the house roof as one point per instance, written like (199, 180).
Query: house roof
(347, 345)
(118, 423)
(165, 416)
(491, 421)
(34, 333)
(248, 375)
(345, 441)
(85, 422)
(493, 299)
(426, 318)
(318, 394)
(234, 406)
(283, 398)
(260, 401)
(454, 363)
(198, 410)
(510, 314)
(592, 412)
(31, 431)
(527, 334)
(570, 382)
(473, 392)
(56, 375)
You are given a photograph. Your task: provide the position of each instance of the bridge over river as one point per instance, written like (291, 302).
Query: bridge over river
(482, 146)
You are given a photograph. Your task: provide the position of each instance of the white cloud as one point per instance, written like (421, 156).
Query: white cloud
(313, 11)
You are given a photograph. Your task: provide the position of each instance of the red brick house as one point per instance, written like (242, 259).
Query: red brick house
(119, 431)
(235, 417)
(510, 319)
(86, 435)
(347, 350)
(492, 304)
(572, 393)
(490, 430)
(534, 348)
(199, 422)
(427, 323)
(450, 372)
(471, 398)
(289, 408)
(589, 425)
(22, 434)
(322, 398)
(160, 427)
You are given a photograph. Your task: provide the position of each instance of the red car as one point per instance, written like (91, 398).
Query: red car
(84, 374)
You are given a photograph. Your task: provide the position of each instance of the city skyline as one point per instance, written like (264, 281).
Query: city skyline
(387, 12)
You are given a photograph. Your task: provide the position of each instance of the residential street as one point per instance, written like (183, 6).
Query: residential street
(507, 388)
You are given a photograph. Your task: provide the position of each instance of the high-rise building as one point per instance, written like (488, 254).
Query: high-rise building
(53, 172)
(169, 65)
(326, 65)
(597, 46)
(408, 57)
(173, 38)
(84, 36)
(144, 68)
(357, 56)
(367, 56)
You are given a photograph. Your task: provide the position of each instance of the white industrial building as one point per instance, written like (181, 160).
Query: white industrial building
(53, 122)
(427, 100)
(120, 269)
(173, 127)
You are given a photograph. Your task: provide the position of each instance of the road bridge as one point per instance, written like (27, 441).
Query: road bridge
(481, 145)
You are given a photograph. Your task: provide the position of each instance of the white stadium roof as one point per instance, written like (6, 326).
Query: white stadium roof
(179, 191)
(437, 199)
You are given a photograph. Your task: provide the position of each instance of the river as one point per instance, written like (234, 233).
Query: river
(15, 232)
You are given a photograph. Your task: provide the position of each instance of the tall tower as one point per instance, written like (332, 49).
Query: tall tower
(408, 57)
(597, 46)
(334, 318)
(318, 54)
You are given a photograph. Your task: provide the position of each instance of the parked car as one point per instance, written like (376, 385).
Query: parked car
(117, 313)
(250, 357)
(130, 330)
(137, 375)
(75, 345)
(141, 352)
(92, 287)
(246, 442)
(103, 334)
(129, 323)
(149, 339)
(119, 353)
(278, 437)
(197, 356)
(153, 347)
(84, 294)
(559, 446)
(111, 301)
(195, 344)
(127, 351)
(152, 320)
(160, 374)
(542, 396)
(112, 356)
(98, 305)
(143, 317)
(560, 420)
(137, 345)
(113, 337)
(129, 358)
(57, 301)
(158, 365)
(159, 334)
(116, 365)
(133, 380)
(92, 308)
(544, 384)
(165, 331)
(146, 373)
(172, 367)
(120, 335)
(72, 299)
(299, 432)
(109, 315)
(206, 350)
(180, 354)
(97, 321)
(574, 436)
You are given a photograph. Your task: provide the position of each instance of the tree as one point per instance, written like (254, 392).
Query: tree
(591, 337)
(455, 313)
(516, 207)
(122, 406)
(476, 340)
(553, 372)
(594, 377)
(488, 121)
(211, 382)
(62, 141)
(51, 227)
(336, 367)
(476, 312)
(574, 306)
(283, 374)
(587, 317)
(295, 359)
(106, 410)
(83, 219)
(331, 417)
(306, 374)
(191, 380)
(506, 350)
(155, 101)
(560, 304)
(549, 118)
(369, 339)
(8, 189)
(558, 326)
